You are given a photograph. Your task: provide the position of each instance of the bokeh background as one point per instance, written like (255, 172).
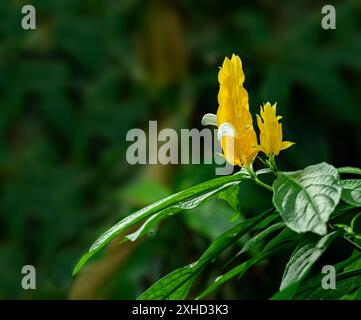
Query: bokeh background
(92, 70)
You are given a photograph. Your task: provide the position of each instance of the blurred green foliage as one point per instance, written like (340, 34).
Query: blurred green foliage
(92, 70)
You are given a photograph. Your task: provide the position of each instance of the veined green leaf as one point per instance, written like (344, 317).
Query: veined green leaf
(304, 256)
(351, 192)
(185, 197)
(165, 289)
(305, 199)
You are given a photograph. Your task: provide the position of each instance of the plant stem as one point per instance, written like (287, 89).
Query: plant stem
(354, 220)
(264, 185)
(272, 162)
(358, 247)
(264, 162)
(259, 182)
(349, 170)
(354, 244)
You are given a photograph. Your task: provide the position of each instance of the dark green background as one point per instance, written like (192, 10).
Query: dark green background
(71, 89)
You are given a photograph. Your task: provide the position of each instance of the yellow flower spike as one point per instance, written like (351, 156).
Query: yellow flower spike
(271, 131)
(234, 121)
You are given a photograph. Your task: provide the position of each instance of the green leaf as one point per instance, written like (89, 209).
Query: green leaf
(305, 290)
(176, 284)
(341, 209)
(351, 192)
(286, 235)
(349, 170)
(232, 235)
(346, 283)
(306, 198)
(353, 263)
(218, 215)
(358, 294)
(304, 256)
(231, 196)
(155, 219)
(287, 293)
(283, 240)
(260, 237)
(182, 199)
(241, 269)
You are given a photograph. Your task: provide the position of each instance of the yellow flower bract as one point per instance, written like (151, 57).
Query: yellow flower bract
(238, 144)
(234, 121)
(271, 131)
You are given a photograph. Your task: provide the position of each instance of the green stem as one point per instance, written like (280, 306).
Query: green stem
(354, 220)
(273, 163)
(251, 171)
(264, 162)
(264, 185)
(254, 177)
(349, 170)
(354, 244)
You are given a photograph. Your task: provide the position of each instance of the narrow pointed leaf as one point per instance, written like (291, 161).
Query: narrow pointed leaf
(261, 237)
(155, 219)
(176, 284)
(281, 242)
(139, 216)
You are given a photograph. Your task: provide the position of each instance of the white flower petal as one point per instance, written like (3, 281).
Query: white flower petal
(209, 119)
(226, 129)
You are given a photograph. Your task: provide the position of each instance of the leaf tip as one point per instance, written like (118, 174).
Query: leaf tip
(81, 263)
